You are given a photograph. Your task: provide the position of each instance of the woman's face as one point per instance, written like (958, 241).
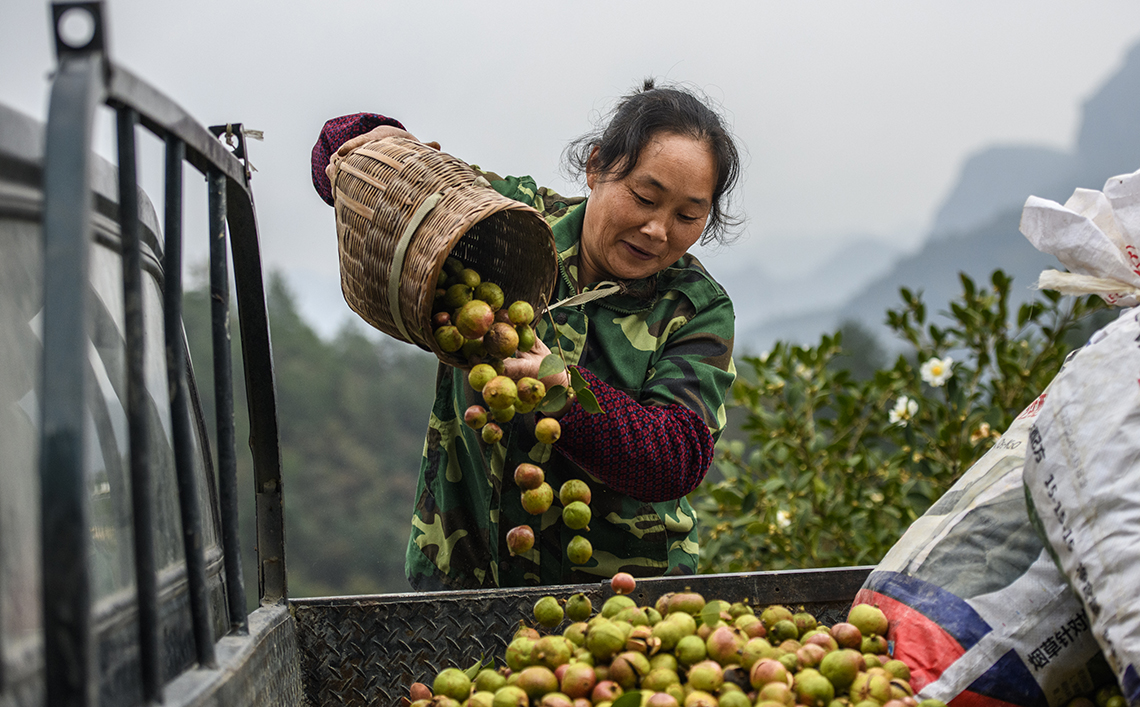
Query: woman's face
(639, 225)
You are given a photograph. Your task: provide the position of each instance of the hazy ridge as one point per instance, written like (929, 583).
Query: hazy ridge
(976, 229)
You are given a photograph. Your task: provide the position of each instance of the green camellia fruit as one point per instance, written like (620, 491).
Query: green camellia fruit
(448, 338)
(457, 296)
(804, 622)
(526, 337)
(579, 550)
(841, 667)
(874, 644)
(490, 293)
(898, 669)
(574, 490)
(579, 607)
(538, 500)
(510, 696)
(473, 351)
(690, 650)
(548, 612)
(452, 266)
(576, 516)
(605, 639)
(773, 614)
(489, 680)
(503, 415)
(531, 390)
(468, 277)
(870, 620)
(520, 312)
(547, 430)
(783, 631)
(500, 392)
(479, 376)
(616, 604)
(813, 689)
(452, 682)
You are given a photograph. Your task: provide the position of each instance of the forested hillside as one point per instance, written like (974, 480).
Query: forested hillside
(352, 414)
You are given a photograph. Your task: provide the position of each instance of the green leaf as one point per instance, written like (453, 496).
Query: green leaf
(629, 699)
(577, 382)
(550, 365)
(474, 669)
(711, 613)
(554, 400)
(589, 401)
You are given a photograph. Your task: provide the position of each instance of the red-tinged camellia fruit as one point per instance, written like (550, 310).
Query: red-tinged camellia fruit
(501, 340)
(528, 476)
(475, 417)
(538, 500)
(520, 539)
(474, 319)
(623, 583)
(492, 433)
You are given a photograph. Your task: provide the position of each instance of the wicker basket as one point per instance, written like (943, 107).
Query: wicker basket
(402, 208)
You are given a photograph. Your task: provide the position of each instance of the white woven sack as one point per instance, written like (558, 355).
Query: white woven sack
(979, 610)
(1082, 481)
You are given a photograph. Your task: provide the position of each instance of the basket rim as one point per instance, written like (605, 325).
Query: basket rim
(463, 220)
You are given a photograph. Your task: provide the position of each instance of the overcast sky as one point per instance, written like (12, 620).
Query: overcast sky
(855, 116)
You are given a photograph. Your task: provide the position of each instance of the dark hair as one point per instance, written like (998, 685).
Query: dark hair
(637, 119)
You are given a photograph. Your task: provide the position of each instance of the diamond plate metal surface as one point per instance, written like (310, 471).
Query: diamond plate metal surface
(367, 650)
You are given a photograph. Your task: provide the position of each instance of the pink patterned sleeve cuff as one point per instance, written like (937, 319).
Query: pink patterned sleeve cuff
(647, 452)
(335, 133)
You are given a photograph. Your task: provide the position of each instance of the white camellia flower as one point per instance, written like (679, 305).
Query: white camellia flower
(783, 519)
(937, 371)
(903, 411)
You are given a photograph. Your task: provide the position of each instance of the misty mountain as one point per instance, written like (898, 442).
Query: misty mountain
(976, 229)
(843, 269)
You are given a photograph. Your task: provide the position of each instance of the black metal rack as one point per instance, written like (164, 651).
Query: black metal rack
(85, 79)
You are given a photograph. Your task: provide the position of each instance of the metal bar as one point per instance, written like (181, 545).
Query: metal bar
(142, 495)
(65, 514)
(188, 492)
(261, 390)
(224, 401)
(163, 116)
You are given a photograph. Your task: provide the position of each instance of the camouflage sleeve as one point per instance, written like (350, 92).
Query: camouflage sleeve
(546, 201)
(695, 368)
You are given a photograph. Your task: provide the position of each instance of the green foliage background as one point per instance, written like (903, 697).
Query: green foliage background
(822, 477)
(812, 472)
(352, 414)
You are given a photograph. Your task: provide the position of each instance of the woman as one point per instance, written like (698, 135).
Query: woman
(658, 356)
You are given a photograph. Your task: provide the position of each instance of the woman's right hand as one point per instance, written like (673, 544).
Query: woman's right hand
(378, 133)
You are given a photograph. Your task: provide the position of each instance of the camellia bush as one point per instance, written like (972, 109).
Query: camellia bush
(836, 467)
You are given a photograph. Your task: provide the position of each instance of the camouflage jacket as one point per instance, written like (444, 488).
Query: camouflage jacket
(664, 340)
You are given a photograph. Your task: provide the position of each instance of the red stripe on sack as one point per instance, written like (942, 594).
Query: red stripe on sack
(919, 642)
(973, 699)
